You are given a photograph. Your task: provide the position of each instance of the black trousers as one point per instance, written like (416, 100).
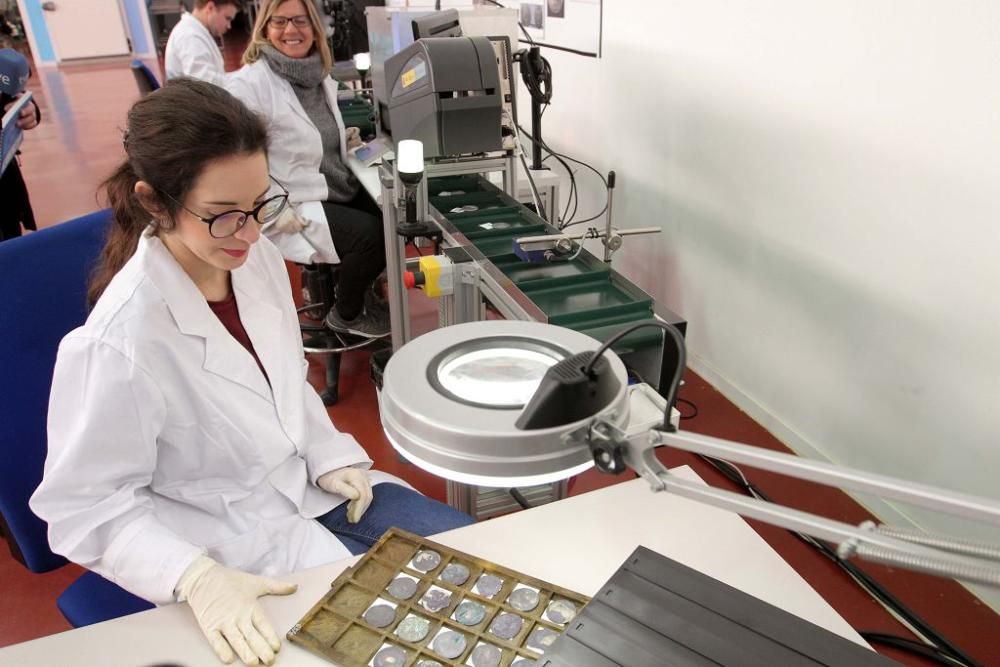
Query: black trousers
(356, 227)
(16, 207)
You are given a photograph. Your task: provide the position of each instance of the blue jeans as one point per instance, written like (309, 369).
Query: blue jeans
(392, 505)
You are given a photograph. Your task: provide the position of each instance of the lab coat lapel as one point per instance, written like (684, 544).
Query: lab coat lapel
(262, 321)
(224, 356)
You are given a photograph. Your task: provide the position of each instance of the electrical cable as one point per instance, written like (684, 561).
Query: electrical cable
(561, 157)
(907, 617)
(913, 646)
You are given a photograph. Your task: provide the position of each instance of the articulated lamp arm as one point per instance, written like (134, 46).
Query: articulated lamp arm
(941, 556)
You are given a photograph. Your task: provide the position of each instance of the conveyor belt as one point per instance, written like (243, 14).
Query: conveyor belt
(583, 294)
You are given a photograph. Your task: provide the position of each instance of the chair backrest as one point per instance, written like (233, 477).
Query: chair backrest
(144, 78)
(43, 295)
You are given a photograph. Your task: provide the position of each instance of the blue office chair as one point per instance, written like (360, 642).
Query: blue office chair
(43, 283)
(144, 78)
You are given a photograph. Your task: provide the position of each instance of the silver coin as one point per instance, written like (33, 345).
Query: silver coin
(426, 560)
(540, 639)
(489, 585)
(450, 193)
(455, 573)
(470, 613)
(413, 628)
(380, 615)
(449, 644)
(435, 600)
(402, 588)
(390, 656)
(523, 599)
(561, 611)
(486, 655)
(524, 662)
(506, 626)
(428, 663)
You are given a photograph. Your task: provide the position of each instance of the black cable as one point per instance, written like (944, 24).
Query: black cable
(675, 382)
(694, 408)
(862, 578)
(519, 498)
(911, 645)
(559, 155)
(521, 25)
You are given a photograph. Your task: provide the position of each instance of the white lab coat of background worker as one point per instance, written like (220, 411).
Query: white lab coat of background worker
(294, 156)
(166, 441)
(191, 48)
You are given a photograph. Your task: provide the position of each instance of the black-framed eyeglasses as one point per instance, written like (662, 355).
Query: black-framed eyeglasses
(280, 22)
(228, 223)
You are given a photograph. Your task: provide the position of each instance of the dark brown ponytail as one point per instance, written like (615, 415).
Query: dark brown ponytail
(170, 136)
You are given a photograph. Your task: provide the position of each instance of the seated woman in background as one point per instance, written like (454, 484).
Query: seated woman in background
(189, 457)
(286, 78)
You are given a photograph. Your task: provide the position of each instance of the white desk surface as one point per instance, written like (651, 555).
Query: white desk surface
(577, 543)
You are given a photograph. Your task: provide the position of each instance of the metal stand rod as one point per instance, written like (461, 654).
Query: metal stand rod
(959, 504)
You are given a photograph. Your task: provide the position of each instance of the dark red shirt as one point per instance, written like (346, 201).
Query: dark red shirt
(229, 314)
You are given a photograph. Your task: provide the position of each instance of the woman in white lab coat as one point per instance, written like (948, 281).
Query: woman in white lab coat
(286, 78)
(188, 454)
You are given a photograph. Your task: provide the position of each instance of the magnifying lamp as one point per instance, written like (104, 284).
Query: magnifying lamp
(506, 403)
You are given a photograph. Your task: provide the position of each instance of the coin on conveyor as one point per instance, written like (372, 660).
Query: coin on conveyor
(470, 613)
(561, 611)
(523, 599)
(380, 615)
(449, 644)
(435, 600)
(486, 655)
(402, 588)
(390, 656)
(450, 193)
(506, 626)
(426, 560)
(489, 585)
(413, 628)
(540, 639)
(455, 573)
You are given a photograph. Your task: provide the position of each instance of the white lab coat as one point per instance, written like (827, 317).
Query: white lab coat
(166, 441)
(294, 156)
(192, 51)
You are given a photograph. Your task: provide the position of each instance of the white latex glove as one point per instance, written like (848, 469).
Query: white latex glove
(353, 484)
(290, 222)
(353, 136)
(224, 602)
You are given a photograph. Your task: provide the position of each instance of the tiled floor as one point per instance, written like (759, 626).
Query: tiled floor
(78, 144)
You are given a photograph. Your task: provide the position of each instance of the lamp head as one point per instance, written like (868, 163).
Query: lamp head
(410, 161)
(463, 402)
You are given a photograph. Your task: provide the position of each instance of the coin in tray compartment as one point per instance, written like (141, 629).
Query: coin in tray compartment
(436, 599)
(426, 560)
(381, 614)
(403, 587)
(488, 584)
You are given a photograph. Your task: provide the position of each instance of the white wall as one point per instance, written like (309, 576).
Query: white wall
(827, 176)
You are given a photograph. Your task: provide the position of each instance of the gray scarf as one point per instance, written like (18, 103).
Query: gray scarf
(306, 76)
(305, 72)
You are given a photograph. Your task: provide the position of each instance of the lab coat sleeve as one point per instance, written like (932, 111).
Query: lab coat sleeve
(327, 449)
(196, 61)
(104, 416)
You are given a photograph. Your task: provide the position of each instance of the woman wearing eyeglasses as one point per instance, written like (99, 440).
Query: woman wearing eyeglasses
(286, 78)
(189, 458)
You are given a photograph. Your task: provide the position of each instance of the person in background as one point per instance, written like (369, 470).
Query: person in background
(15, 211)
(286, 78)
(191, 48)
(189, 459)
